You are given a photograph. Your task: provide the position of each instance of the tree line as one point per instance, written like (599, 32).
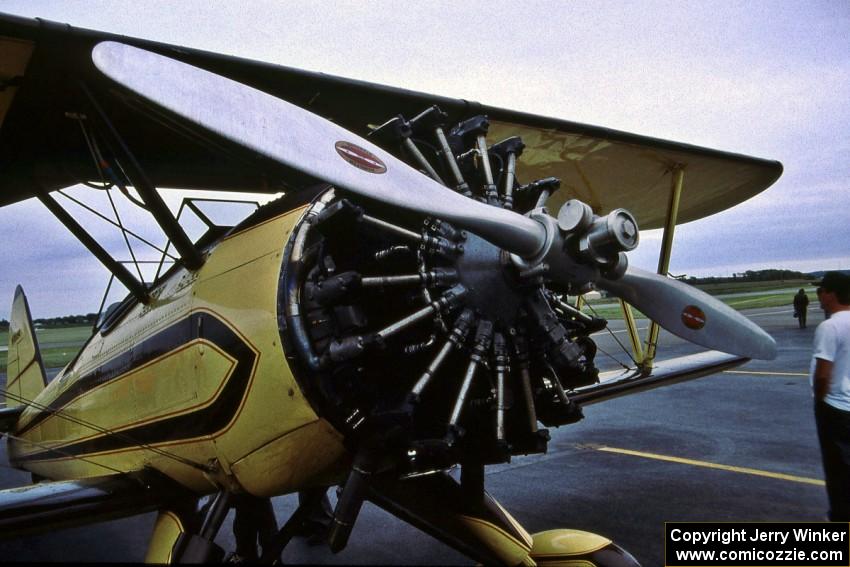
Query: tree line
(771, 275)
(66, 321)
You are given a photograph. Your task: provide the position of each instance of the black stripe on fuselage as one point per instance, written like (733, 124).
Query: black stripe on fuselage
(204, 421)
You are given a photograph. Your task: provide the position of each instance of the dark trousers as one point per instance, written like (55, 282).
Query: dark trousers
(834, 435)
(801, 317)
(254, 523)
(321, 512)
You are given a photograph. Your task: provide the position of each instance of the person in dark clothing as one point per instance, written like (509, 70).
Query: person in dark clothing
(316, 525)
(253, 524)
(830, 375)
(801, 307)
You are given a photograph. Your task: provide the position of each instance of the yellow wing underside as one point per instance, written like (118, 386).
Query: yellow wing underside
(609, 174)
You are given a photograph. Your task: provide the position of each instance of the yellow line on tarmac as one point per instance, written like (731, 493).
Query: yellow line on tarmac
(708, 465)
(805, 375)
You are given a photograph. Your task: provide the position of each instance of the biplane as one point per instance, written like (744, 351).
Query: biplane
(406, 311)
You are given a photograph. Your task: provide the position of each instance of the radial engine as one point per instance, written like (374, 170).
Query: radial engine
(428, 346)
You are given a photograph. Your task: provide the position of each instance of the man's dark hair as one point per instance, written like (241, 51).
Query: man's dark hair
(838, 283)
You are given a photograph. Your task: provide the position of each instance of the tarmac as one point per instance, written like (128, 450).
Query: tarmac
(736, 446)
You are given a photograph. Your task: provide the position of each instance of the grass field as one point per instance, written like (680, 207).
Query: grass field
(737, 287)
(738, 295)
(60, 345)
(610, 309)
(49, 337)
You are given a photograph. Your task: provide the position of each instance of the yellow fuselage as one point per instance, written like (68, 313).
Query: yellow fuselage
(196, 376)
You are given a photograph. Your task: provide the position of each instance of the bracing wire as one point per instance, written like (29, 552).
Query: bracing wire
(615, 359)
(99, 159)
(104, 430)
(94, 155)
(61, 452)
(103, 301)
(622, 346)
(113, 223)
(124, 234)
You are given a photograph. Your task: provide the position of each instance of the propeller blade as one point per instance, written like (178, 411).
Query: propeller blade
(304, 141)
(691, 314)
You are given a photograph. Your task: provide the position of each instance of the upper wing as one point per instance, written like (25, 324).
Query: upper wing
(43, 65)
(608, 169)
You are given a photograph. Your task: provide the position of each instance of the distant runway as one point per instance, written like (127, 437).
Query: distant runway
(736, 446)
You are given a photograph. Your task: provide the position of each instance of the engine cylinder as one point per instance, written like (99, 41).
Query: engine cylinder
(382, 311)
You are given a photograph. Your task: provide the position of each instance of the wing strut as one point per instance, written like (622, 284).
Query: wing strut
(646, 358)
(136, 287)
(666, 251)
(192, 258)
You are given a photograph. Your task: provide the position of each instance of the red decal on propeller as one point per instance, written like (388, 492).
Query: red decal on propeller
(360, 158)
(693, 317)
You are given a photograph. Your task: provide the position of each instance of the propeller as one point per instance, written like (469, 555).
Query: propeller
(691, 314)
(304, 141)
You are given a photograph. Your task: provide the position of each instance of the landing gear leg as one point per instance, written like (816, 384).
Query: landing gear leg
(200, 547)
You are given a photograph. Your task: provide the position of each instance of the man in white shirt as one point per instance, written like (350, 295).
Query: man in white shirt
(830, 373)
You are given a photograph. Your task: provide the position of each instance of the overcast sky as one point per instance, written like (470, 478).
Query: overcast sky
(769, 79)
